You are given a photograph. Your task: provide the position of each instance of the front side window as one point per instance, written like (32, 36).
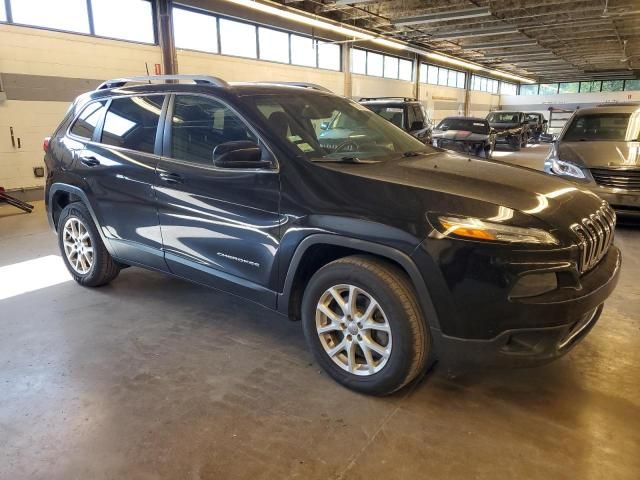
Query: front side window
(612, 127)
(395, 114)
(330, 128)
(132, 122)
(87, 121)
(199, 124)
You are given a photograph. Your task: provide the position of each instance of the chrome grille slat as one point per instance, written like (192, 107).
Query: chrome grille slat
(626, 179)
(595, 235)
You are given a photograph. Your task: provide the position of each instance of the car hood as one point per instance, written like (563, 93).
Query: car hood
(459, 135)
(448, 181)
(600, 154)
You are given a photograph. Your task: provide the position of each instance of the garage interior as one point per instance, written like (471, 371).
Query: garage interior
(155, 377)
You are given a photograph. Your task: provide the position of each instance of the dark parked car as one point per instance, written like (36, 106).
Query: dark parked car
(392, 253)
(511, 128)
(537, 125)
(407, 113)
(465, 134)
(600, 149)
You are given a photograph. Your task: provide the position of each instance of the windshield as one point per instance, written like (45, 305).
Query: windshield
(504, 117)
(393, 114)
(610, 127)
(467, 125)
(330, 127)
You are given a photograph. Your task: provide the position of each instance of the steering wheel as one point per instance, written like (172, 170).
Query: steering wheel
(347, 143)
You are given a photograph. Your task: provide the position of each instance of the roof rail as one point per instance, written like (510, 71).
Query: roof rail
(313, 86)
(404, 99)
(199, 79)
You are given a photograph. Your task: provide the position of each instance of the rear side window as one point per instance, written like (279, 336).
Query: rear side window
(200, 124)
(86, 122)
(132, 122)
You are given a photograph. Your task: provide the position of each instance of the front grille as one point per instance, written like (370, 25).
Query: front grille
(595, 235)
(617, 178)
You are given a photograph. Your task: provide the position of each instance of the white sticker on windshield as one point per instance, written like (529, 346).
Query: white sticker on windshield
(294, 138)
(394, 110)
(305, 147)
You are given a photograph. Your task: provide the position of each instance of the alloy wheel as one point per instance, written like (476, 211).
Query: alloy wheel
(353, 329)
(77, 245)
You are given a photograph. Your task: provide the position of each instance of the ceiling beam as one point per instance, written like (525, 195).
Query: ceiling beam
(442, 16)
(475, 32)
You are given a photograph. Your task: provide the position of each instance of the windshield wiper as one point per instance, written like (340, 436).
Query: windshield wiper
(341, 160)
(412, 154)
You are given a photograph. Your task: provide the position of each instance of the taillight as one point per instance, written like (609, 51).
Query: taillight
(45, 144)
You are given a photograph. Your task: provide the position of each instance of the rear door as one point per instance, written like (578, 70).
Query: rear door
(220, 226)
(118, 169)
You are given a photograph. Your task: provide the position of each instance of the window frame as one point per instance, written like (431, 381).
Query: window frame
(165, 151)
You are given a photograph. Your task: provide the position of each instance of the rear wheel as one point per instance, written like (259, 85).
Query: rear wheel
(516, 143)
(83, 251)
(363, 324)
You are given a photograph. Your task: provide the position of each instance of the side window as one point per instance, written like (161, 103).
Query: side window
(418, 111)
(86, 122)
(200, 124)
(411, 115)
(131, 122)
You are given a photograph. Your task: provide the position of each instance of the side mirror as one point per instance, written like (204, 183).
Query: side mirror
(548, 138)
(239, 154)
(324, 125)
(417, 125)
(545, 121)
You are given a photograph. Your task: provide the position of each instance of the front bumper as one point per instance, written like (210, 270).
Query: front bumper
(508, 138)
(568, 314)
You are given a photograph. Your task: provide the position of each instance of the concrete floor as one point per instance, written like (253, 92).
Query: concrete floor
(152, 377)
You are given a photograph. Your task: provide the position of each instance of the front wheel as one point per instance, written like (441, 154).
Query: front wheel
(84, 254)
(362, 321)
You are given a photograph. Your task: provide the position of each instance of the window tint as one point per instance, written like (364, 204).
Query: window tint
(70, 15)
(110, 19)
(237, 38)
(599, 127)
(200, 124)
(86, 122)
(131, 122)
(411, 116)
(195, 31)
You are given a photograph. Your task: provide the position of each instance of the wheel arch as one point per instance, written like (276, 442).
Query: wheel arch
(317, 250)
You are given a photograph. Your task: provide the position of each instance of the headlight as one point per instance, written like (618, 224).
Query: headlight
(478, 229)
(560, 167)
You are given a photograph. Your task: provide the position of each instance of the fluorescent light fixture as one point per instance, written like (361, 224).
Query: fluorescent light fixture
(389, 43)
(511, 76)
(452, 61)
(540, 54)
(442, 16)
(496, 45)
(475, 32)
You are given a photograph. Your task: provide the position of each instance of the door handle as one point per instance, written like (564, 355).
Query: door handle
(90, 161)
(171, 177)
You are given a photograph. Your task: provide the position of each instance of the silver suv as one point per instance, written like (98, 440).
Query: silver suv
(600, 148)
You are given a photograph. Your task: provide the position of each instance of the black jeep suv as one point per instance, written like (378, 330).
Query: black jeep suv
(511, 128)
(407, 113)
(393, 254)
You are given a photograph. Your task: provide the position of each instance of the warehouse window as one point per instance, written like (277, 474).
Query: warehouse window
(529, 89)
(69, 15)
(508, 88)
(303, 51)
(375, 64)
(358, 61)
(461, 77)
(390, 67)
(136, 25)
(3, 13)
(442, 76)
(588, 87)
(238, 39)
(274, 45)
(405, 70)
(195, 31)
(329, 56)
(632, 85)
(548, 88)
(484, 84)
(569, 87)
(613, 85)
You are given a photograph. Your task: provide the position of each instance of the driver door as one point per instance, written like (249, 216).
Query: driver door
(220, 226)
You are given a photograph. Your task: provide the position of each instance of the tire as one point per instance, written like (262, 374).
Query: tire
(406, 345)
(517, 145)
(85, 255)
(525, 140)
